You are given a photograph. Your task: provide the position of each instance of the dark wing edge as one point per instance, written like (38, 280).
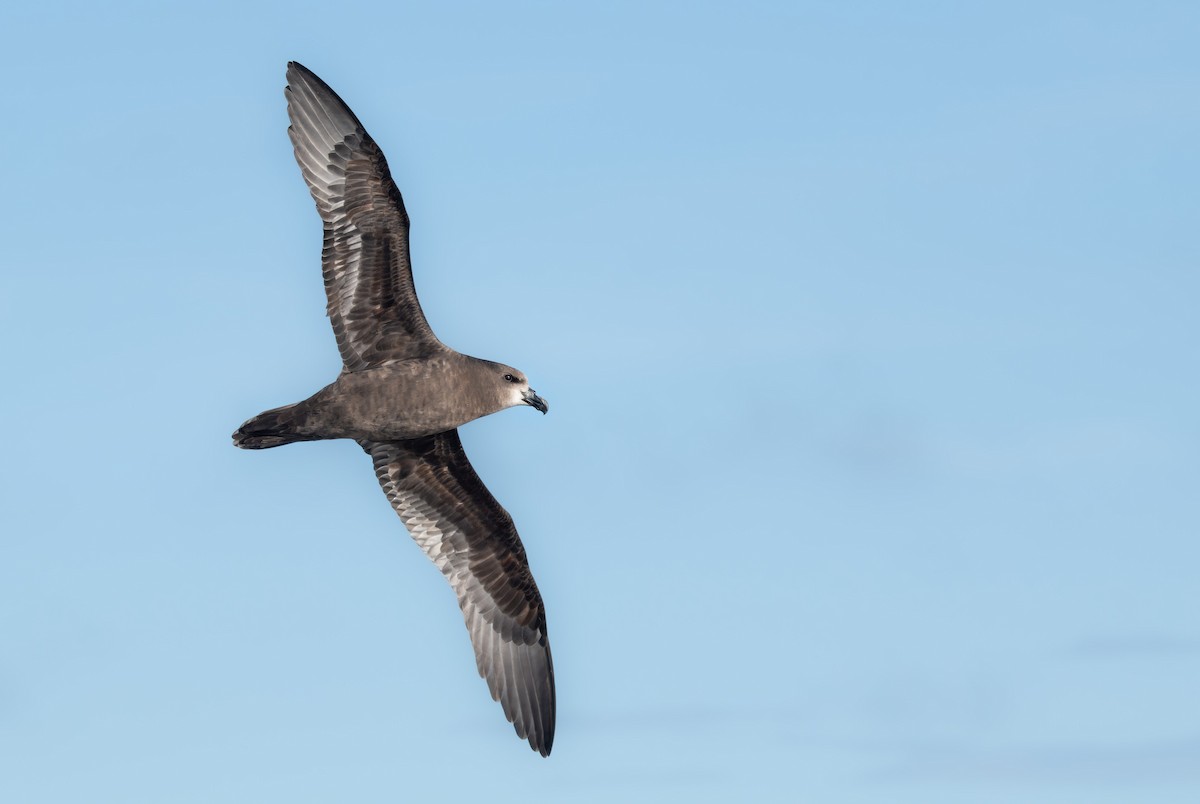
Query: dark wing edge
(365, 258)
(467, 534)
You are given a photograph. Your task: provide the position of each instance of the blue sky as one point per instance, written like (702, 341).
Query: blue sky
(869, 332)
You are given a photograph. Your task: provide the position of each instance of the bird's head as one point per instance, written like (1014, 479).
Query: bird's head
(505, 386)
(516, 390)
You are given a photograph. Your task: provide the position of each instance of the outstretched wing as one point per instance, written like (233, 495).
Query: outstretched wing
(472, 540)
(368, 277)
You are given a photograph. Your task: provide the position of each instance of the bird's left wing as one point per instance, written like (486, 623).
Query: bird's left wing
(472, 540)
(365, 260)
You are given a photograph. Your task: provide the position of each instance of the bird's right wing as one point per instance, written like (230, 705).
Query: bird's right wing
(472, 540)
(368, 277)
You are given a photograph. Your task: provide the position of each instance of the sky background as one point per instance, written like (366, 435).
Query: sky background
(870, 335)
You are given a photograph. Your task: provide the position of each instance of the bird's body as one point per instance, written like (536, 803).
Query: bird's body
(405, 399)
(402, 394)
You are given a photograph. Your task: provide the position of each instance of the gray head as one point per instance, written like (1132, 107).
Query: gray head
(510, 386)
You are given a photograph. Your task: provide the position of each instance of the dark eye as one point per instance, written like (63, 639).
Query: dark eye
(510, 378)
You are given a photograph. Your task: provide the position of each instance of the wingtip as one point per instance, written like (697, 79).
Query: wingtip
(303, 83)
(296, 73)
(542, 742)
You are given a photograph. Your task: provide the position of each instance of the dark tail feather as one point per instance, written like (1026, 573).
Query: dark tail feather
(272, 428)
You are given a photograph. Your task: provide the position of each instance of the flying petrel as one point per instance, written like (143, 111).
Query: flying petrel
(401, 394)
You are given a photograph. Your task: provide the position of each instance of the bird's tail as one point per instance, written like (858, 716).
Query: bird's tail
(273, 428)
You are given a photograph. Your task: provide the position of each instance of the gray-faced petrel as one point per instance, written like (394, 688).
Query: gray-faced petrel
(401, 394)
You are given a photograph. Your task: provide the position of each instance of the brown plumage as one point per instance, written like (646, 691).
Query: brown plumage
(401, 394)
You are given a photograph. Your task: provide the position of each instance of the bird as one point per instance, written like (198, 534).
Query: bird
(402, 395)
